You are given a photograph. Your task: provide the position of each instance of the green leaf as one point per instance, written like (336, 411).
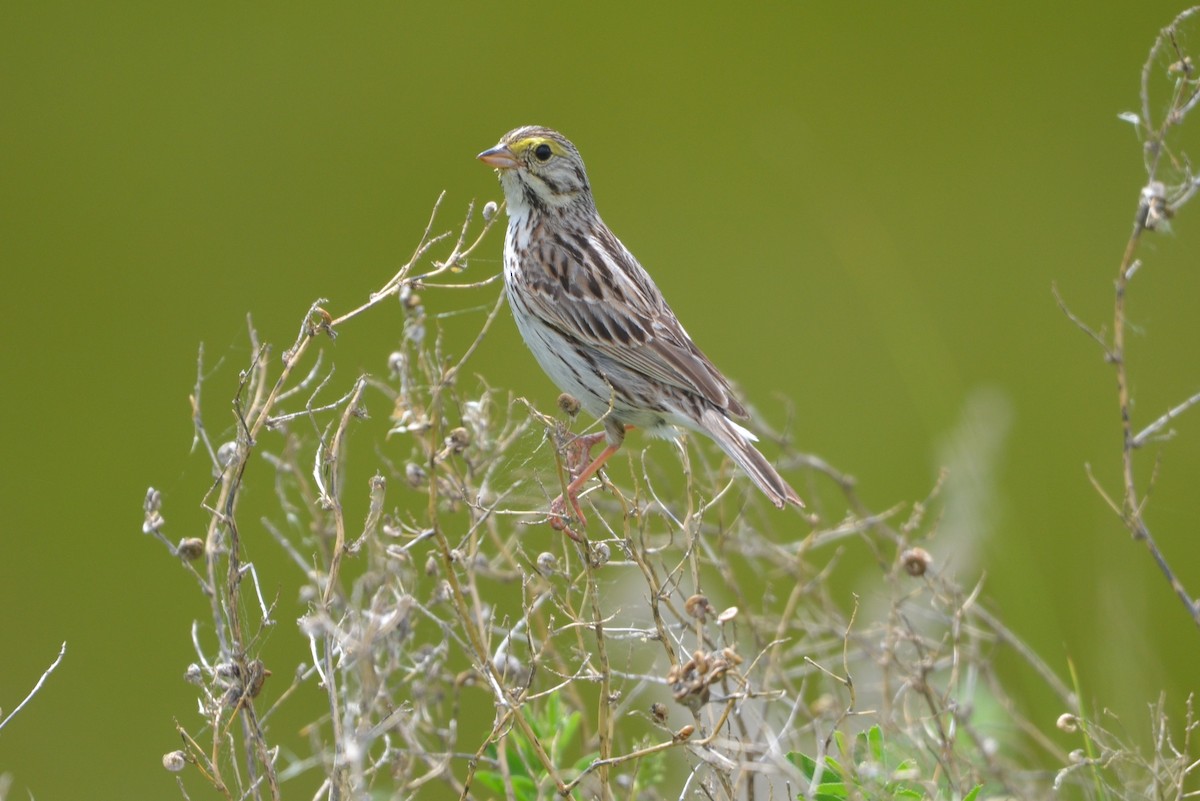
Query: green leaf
(831, 783)
(804, 763)
(875, 744)
(524, 787)
(971, 796)
(831, 790)
(565, 735)
(492, 781)
(519, 756)
(839, 739)
(651, 772)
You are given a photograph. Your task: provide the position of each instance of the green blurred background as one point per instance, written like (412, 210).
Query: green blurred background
(861, 211)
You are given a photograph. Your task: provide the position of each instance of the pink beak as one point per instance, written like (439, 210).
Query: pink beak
(499, 157)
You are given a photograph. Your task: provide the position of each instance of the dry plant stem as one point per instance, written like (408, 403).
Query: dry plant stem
(256, 401)
(62, 651)
(604, 721)
(1148, 216)
(398, 713)
(200, 435)
(452, 372)
(692, 524)
(865, 521)
(227, 610)
(658, 595)
(1153, 429)
(331, 499)
(677, 740)
(334, 459)
(456, 258)
(848, 683)
(206, 769)
(483, 664)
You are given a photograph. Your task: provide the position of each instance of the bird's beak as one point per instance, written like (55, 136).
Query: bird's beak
(499, 157)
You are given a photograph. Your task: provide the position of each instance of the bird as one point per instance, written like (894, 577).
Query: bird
(598, 325)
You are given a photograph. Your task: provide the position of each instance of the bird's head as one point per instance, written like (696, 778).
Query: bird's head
(539, 170)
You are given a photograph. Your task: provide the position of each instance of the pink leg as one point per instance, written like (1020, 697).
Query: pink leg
(579, 452)
(557, 506)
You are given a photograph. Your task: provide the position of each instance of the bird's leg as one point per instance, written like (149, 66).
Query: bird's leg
(582, 447)
(579, 452)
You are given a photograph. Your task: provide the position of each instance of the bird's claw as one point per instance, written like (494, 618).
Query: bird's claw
(560, 520)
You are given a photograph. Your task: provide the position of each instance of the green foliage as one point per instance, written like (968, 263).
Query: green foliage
(557, 730)
(874, 772)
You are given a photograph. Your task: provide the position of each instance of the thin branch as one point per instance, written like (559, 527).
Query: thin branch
(1080, 324)
(1157, 425)
(62, 651)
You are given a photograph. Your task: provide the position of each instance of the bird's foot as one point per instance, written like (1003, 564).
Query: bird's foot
(581, 467)
(561, 519)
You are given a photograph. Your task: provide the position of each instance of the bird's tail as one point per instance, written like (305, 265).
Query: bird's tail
(738, 443)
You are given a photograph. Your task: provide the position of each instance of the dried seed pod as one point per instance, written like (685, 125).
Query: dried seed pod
(547, 563)
(697, 606)
(600, 554)
(258, 674)
(190, 549)
(569, 404)
(152, 506)
(226, 453)
(916, 561)
(458, 440)
(659, 711)
(396, 361)
(414, 474)
(443, 592)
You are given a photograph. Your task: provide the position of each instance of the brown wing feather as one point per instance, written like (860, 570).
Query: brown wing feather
(621, 313)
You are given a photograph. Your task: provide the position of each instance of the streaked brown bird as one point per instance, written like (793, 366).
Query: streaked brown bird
(596, 322)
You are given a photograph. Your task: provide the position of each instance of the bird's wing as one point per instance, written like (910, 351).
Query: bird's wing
(592, 289)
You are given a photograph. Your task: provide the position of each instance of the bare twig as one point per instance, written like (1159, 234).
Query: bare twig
(62, 651)
(1153, 429)
(1157, 203)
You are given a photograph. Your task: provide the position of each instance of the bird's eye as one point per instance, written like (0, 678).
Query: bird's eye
(542, 152)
